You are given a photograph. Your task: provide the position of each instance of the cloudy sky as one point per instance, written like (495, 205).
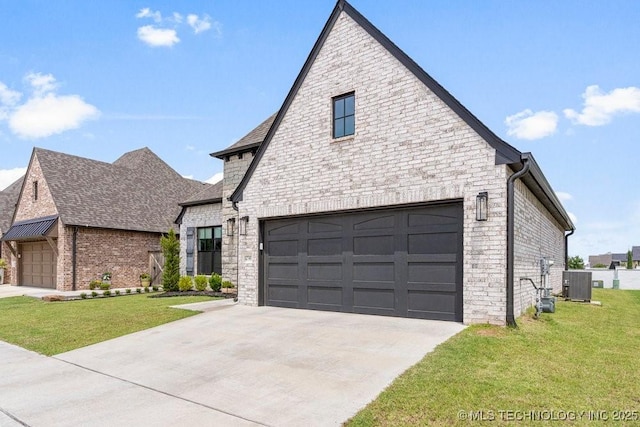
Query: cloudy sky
(559, 79)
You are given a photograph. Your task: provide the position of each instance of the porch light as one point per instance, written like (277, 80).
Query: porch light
(482, 206)
(242, 226)
(231, 222)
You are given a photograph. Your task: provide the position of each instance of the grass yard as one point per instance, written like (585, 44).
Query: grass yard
(579, 363)
(55, 327)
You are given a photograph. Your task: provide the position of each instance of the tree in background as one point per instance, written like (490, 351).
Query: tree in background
(576, 263)
(171, 250)
(629, 260)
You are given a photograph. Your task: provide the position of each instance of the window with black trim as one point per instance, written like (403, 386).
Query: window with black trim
(209, 250)
(344, 115)
(35, 190)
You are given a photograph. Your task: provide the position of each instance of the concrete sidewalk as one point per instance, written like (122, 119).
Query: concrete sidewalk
(233, 365)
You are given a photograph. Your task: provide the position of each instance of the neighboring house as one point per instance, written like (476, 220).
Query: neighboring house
(8, 199)
(78, 218)
(200, 222)
(373, 190)
(616, 259)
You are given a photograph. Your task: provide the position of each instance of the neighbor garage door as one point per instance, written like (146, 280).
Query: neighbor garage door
(37, 265)
(396, 262)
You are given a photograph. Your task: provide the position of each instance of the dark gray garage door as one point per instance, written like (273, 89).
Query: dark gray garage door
(397, 262)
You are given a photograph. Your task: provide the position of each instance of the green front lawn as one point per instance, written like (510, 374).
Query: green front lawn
(55, 327)
(582, 358)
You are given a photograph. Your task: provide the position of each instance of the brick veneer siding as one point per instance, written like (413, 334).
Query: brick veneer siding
(409, 147)
(234, 170)
(197, 216)
(27, 207)
(123, 253)
(537, 235)
(8, 257)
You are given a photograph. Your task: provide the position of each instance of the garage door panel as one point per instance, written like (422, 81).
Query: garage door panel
(430, 243)
(325, 227)
(285, 229)
(325, 296)
(374, 245)
(431, 305)
(283, 248)
(374, 272)
(375, 222)
(401, 262)
(324, 247)
(325, 271)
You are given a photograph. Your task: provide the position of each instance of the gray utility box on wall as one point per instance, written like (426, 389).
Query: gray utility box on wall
(577, 284)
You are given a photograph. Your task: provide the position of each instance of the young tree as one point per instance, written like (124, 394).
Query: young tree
(171, 250)
(576, 263)
(629, 260)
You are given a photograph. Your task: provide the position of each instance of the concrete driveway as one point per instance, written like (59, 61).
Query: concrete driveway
(234, 365)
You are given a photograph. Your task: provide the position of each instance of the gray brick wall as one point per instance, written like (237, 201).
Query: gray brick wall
(234, 170)
(408, 147)
(537, 235)
(197, 216)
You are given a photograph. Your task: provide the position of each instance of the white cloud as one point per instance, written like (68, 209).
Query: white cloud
(563, 197)
(177, 18)
(187, 176)
(9, 176)
(148, 13)
(44, 113)
(215, 178)
(599, 107)
(157, 37)
(529, 125)
(198, 24)
(49, 115)
(41, 84)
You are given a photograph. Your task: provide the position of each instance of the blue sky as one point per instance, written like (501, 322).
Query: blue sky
(559, 79)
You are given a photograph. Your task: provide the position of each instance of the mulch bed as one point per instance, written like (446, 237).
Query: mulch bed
(193, 294)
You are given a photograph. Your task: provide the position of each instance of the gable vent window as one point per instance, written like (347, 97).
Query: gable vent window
(344, 119)
(35, 190)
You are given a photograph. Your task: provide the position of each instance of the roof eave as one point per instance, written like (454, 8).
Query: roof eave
(238, 150)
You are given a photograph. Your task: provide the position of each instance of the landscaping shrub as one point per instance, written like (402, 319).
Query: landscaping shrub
(94, 294)
(185, 284)
(106, 293)
(138, 290)
(83, 295)
(155, 288)
(201, 283)
(227, 284)
(117, 292)
(215, 282)
(146, 289)
(94, 284)
(171, 251)
(128, 291)
(104, 286)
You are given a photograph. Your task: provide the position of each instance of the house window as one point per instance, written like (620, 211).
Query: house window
(344, 120)
(35, 190)
(210, 250)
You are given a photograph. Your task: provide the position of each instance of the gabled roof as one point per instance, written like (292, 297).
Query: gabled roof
(635, 253)
(249, 142)
(505, 153)
(137, 192)
(8, 199)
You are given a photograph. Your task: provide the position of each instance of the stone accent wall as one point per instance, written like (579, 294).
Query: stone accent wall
(537, 235)
(28, 208)
(123, 253)
(234, 170)
(409, 147)
(10, 271)
(197, 216)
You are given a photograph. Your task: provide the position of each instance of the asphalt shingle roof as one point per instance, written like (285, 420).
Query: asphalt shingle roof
(8, 199)
(138, 191)
(252, 139)
(210, 193)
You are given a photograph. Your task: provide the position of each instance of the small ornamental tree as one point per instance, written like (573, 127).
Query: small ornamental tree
(576, 263)
(171, 251)
(629, 260)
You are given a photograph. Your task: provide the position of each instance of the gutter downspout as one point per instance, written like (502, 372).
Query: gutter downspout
(566, 249)
(74, 256)
(234, 205)
(510, 318)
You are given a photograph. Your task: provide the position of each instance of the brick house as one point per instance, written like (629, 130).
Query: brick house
(8, 199)
(373, 190)
(78, 218)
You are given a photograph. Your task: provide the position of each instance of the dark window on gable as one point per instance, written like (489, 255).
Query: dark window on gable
(344, 115)
(35, 190)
